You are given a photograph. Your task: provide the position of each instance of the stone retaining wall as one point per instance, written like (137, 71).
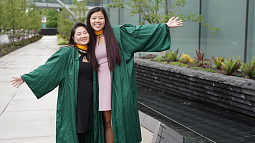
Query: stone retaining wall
(229, 92)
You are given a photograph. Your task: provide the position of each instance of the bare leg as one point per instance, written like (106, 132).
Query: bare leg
(108, 126)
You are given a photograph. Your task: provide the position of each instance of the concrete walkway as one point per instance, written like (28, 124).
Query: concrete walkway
(23, 118)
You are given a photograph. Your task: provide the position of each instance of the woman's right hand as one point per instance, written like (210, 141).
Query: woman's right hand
(17, 81)
(172, 22)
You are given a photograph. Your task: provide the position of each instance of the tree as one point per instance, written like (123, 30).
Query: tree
(3, 15)
(12, 15)
(35, 20)
(65, 20)
(15, 18)
(80, 8)
(150, 9)
(52, 18)
(64, 24)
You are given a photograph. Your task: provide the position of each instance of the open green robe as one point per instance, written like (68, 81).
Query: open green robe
(62, 68)
(124, 103)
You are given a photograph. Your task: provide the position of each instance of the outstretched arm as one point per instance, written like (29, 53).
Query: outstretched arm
(48, 76)
(17, 81)
(146, 38)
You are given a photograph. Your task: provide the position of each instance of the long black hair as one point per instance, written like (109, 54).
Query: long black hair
(112, 48)
(90, 44)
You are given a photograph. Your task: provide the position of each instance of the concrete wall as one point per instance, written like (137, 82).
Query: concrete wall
(229, 92)
(48, 31)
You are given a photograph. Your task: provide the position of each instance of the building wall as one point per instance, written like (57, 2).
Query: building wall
(229, 15)
(89, 2)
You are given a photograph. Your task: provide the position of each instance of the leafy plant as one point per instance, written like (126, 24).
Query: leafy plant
(179, 64)
(63, 43)
(186, 58)
(238, 64)
(208, 70)
(217, 61)
(158, 58)
(249, 68)
(172, 55)
(200, 59)
(231, 65)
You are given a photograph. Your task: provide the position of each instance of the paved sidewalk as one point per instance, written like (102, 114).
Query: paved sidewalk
(23, 118)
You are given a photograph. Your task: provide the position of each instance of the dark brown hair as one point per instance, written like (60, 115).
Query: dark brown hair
(90, 44)
(112, 48)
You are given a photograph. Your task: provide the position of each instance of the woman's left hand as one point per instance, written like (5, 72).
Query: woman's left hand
(172, 22)
(17, 81)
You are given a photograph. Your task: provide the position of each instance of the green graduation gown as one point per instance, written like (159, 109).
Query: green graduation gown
(62, 70)
(124, 103)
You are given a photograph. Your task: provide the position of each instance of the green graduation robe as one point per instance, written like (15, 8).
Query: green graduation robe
(124, 103)
(62, 70)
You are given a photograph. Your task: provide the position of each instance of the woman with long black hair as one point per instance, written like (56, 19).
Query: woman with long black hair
(112, 58)
(69, 69)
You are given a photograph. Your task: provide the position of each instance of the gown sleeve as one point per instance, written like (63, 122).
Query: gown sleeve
(48, 76)
(144, 38)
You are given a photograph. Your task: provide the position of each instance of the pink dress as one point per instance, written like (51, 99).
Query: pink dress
(104, 78)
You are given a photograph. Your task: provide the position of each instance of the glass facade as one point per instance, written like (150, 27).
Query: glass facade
(251, 32)
(89, 3)
(229, 16)
(186, 38)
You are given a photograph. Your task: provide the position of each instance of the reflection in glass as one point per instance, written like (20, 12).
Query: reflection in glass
(251, 32)
(186, 38)
(229, 16)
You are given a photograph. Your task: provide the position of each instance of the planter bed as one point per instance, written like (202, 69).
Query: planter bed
(232, 93)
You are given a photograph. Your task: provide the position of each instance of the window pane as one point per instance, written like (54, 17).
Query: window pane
(125, 17)
(251, 32)
(229, 16)
(105, 2)
(113, 16)
(111, 12)
(186, 38)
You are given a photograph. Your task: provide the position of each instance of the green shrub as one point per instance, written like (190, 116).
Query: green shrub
(3, 51)
(249, 68)
(158, 58)
(63, 43)
(172, 55)
(208, 70)
(179, 64)
(58, 35)
(231, 65)
(217, 61)
(16, 43)
(21, 43)
(238, 64)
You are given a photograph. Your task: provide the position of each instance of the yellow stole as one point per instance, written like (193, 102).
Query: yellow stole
(84, 48)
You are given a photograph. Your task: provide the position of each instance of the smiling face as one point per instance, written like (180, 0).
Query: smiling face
(81, 36)
(97, 21)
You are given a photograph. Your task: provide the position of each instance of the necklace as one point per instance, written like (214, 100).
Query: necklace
(99, 38)
(98, 33)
